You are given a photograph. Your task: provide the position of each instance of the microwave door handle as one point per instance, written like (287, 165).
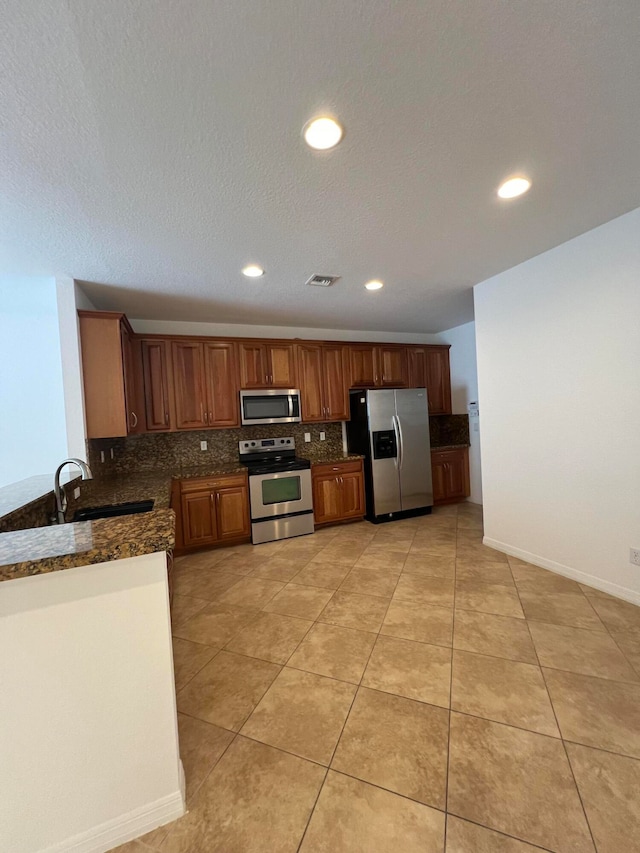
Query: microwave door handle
(290, 398)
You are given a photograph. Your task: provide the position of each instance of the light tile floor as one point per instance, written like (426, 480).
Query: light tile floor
(401, 688)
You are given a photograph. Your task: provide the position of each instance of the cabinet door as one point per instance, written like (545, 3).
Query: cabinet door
(189, 383)
(156, 384)
(282, 366)
(327, 499)
(417, 365)
(134, 414)
(222, 384)
(456, 474)
(438, 476)
(363, 372)
(438, 380)
(352, 488)
(199, 518)
(254, 366)
(391, 366)
(232, 512)
(335, 382)
(311, 386)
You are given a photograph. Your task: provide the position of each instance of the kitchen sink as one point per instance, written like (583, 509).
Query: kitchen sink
(112, 510)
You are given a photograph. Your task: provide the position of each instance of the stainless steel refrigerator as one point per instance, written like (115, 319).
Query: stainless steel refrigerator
(390, 428)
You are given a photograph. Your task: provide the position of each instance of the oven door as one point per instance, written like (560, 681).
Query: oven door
(280, 493)
(270, 406)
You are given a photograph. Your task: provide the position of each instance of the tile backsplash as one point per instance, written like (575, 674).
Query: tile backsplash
(171, 450)
(446, 430)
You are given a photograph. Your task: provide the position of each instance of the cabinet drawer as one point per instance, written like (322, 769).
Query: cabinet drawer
(209, 483)
(327, 468)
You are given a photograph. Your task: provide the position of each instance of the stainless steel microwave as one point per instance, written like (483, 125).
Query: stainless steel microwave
(270, 406)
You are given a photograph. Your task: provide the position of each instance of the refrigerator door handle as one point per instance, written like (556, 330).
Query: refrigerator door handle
(401, 448)
(395, 422)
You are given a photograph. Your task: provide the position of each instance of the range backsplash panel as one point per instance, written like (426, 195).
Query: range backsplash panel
(173, 450)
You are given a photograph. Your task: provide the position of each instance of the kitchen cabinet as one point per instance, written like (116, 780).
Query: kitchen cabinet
(382, 366)
(323, 377)
(429, 368)
(450, 475)
(213, 511)
(267, 364)
(110, 374)
(155, 372)
(206, 385)
(338, 492)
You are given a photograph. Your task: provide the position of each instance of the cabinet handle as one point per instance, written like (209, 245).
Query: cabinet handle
(206, 417)
(210, 418)
(166, 418)
(135, 420)
(335, 469)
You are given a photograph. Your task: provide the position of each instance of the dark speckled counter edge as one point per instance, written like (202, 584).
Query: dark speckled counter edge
(24, 553)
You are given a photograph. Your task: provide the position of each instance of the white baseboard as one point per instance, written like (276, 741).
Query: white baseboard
(575, 574)
(124, 828)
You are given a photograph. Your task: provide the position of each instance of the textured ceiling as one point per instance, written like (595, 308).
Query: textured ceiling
(153, 148)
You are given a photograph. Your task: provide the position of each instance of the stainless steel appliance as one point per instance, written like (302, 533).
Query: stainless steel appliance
(280, 493)
(391, 429)
(270, 406)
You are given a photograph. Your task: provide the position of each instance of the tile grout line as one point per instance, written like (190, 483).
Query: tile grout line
(355, 693)
(453, 628)
(555, 716)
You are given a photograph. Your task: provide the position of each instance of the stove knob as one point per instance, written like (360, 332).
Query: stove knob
(253, 444)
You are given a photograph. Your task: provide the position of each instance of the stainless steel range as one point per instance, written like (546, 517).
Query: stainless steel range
(279, 489)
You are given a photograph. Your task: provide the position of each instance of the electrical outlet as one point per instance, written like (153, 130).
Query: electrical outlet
(307, 436)
(323, 436)
(76, 492)
(634, 556)
(102, 455)
(203, 445)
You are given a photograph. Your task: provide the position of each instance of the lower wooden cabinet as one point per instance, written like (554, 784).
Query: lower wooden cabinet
(338, 492)
(450, 474)
(211, 511)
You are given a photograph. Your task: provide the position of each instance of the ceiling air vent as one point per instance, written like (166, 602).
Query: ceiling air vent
(323, 280)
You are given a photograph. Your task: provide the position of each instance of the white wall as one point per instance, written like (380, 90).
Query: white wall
(558, 343)
(89, 733)
(69, 299)
(32, 427)
(175, 327)
(464, 390)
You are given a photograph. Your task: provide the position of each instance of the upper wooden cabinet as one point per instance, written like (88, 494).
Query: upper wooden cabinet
(206, 385)
(155, 373)
(266, 364)
(429, 368)
(110, 374)
(381, 366)
(323, 377)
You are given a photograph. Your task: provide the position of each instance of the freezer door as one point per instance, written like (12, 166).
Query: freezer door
(414, 452)
(381, 406)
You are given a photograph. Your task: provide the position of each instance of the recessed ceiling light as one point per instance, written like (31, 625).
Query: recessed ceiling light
(322, 133)
(513, 187)
(374, 285)
(253, 271)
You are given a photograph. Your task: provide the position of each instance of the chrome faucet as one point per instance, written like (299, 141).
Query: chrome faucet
(61, 498)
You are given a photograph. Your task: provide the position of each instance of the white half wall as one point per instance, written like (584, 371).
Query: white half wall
(175, 327)
(88, 739)
(464, 390)
(558, 344)
(33, 437)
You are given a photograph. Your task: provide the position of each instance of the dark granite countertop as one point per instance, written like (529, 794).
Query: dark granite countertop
(63, 546)
(328, 458)
(449, 447)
